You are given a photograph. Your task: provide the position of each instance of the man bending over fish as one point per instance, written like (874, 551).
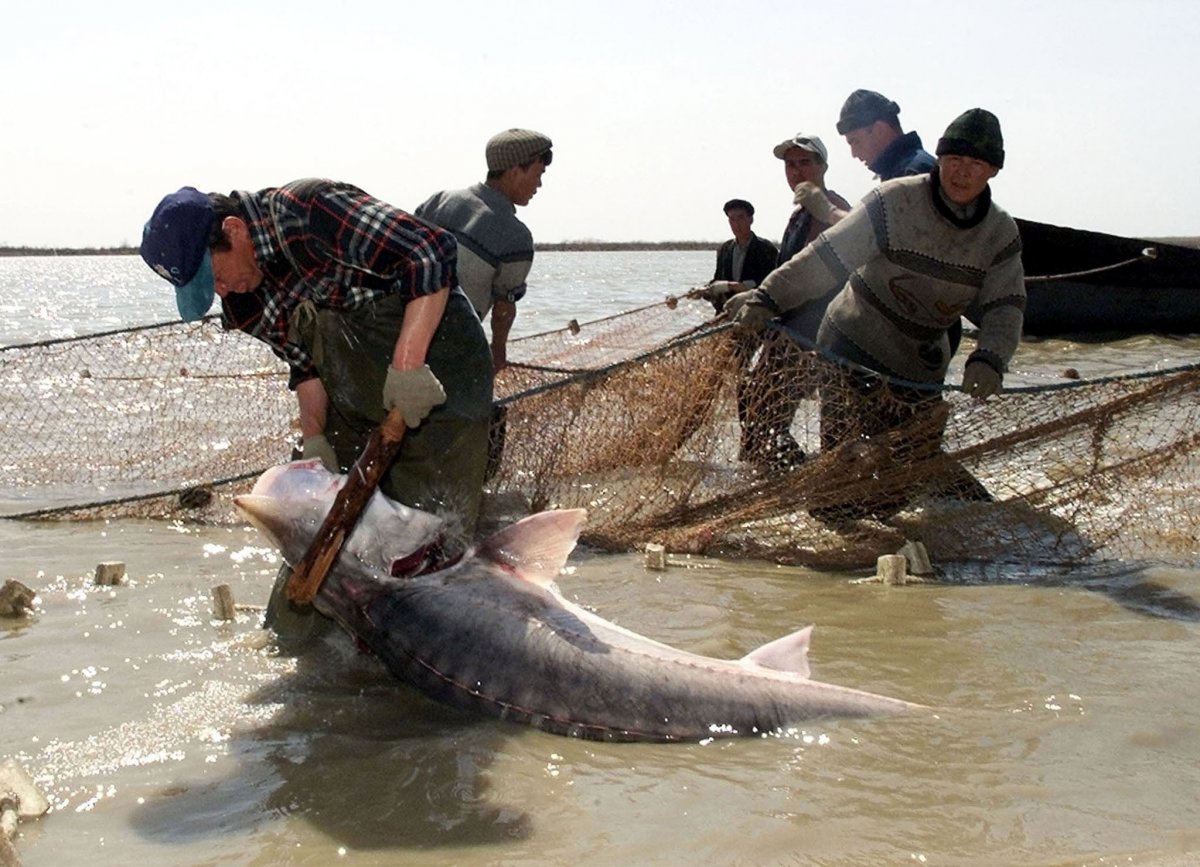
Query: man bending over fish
(362, 301)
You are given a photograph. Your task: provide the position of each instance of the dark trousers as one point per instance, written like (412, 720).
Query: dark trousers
(768, 395)
(890, 439)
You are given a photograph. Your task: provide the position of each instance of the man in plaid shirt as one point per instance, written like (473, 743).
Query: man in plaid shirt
(361, 299)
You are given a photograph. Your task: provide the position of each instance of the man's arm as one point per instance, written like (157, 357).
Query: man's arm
(999, 308)
(825, 264)
(760, 261)
(421, 318)
(826, 208)
(503, 314)
(719, 272)
(314, 405)
(411, 388)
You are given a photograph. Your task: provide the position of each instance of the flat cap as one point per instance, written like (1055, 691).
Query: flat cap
(515, 147)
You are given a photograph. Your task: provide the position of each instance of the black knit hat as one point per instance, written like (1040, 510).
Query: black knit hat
(974, 133)
(863, 108)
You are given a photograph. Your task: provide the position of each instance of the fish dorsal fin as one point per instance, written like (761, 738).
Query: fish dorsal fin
(535, 548)
(789, 653)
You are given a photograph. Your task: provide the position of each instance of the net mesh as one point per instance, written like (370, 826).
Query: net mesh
(667, 427)
(161, 421)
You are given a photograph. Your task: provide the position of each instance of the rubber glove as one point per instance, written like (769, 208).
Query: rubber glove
(750, 311)
(317, 446)
(414, 392)
(813, 199)
(980, 379)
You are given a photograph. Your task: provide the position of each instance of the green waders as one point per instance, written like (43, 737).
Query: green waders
(442, 462)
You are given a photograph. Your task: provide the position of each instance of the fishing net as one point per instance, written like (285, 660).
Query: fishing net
(160, 421)
(667, 427)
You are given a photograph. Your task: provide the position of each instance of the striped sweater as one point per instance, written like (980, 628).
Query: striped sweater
(909, 268)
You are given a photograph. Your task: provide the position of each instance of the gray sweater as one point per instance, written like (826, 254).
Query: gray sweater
(495, 249)
(908, 270)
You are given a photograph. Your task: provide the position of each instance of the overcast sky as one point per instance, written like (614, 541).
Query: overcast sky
(659, 112)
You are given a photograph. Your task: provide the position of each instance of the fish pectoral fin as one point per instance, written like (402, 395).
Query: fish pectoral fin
(535, 548)
(789, 653)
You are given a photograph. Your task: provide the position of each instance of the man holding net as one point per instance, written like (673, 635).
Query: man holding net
(917, 254)
(769, 394)
(742, 261)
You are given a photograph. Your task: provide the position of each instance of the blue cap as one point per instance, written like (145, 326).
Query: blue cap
(175, 246)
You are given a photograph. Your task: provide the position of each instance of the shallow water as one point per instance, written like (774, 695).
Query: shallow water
(1061, 727)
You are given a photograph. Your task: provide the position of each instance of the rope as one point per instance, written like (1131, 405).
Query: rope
(130, 330)
(594, 373)
(1146, 254)
(806, 343)
(135, 498)
(575, 327)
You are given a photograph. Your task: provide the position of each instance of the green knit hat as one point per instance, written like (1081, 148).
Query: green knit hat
(974, 133)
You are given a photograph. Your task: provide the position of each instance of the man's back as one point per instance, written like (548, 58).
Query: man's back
(495, 247)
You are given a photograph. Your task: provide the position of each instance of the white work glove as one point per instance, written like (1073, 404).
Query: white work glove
(750, 311)
(317, 446)
(980, 379)
(414, 392)
(717, 292)
(813, 199)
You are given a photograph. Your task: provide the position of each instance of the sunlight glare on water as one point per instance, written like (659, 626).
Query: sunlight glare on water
(1059, 729)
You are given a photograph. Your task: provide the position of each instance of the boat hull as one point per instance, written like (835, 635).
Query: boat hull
(1157, 293)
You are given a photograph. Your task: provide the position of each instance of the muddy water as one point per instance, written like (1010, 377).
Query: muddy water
(1061, 726)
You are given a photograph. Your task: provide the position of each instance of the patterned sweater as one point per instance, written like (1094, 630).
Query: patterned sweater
(909, 268)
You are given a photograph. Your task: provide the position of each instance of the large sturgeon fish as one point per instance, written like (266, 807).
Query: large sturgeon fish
(491, 633)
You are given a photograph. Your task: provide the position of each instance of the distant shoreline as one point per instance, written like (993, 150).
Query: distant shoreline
(561, 246)
(585, 246)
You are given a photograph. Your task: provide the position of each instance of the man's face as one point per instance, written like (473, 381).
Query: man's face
(739, 222)
(801, 165)
(868, 142)
(526, 180)
(964, 178)
(235, 270)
